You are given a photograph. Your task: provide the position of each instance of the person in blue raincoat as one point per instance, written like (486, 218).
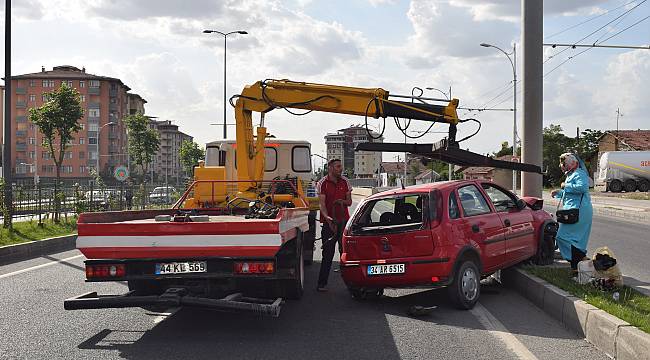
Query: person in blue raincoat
(572, 239)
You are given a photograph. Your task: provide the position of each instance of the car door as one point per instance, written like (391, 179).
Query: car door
(482, 226)
(520, 235)
(384, 230)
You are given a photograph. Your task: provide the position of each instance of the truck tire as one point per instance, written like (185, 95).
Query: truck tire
(309, 239)
(615, 186)
(629, 185)
(464, 291)
(643, 185)
(294, 288)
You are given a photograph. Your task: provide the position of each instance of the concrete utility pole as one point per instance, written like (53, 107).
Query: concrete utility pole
(6, 159)
(531, 152)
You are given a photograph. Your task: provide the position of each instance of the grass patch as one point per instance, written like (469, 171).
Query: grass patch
(633, 306)
(24, 231)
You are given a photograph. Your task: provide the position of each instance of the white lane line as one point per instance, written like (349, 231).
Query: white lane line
(496, 328)
(38, 266)
(162, 316)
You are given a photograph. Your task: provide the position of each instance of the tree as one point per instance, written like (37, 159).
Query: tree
(190, 153)
(506, 149)
(58, 121)
(555, 144)
(143, 141)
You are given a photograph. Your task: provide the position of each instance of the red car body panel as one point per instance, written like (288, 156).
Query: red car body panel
(500, 239)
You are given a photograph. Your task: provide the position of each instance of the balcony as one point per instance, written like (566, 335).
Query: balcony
(112, 92)
(93, 91)
(21, 118)
(21, 133)
(21, 104)
(21, 146)
(21, 91)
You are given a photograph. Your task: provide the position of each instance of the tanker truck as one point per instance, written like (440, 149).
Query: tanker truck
(624, 171)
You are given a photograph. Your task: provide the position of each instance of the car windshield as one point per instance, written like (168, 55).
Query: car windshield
(397, 210)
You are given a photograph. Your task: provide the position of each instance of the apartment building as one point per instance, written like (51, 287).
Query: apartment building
(341, 145)
(167, 162)
(102, 140)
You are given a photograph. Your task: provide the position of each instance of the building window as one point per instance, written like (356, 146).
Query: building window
(82, 155)
(46, 155)
(32, 141)
(82, 83)
(70, 83)
(32, 154)
(93, 112)
(92, 141)
(45, 83)
(32, 97)
(93, 83)
(45, 97)
(32, 83)
(68, 155)
(92, 155)
(50, 83)
(93, 127)
(82, 169)
(83, 98)
(82, 141)
(82, 125)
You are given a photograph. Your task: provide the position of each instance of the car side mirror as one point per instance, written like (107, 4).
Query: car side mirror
(521, 204)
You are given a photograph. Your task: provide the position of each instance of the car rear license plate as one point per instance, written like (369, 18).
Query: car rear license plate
(386, 269)
(181, 267)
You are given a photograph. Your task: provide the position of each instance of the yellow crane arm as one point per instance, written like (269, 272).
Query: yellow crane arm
(264, 96)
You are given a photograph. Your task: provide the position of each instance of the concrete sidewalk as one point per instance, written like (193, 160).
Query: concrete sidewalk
(637, 210)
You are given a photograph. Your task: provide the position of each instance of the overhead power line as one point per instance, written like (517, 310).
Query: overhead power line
(644, 47)
(590, 19)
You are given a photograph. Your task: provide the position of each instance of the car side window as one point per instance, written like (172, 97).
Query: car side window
(454, 213)
(502, 201)
(472, 201)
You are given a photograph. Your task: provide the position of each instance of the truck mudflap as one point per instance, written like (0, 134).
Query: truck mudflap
(175, 297)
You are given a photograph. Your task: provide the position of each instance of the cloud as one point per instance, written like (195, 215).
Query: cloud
(143, 9)
(510, 10)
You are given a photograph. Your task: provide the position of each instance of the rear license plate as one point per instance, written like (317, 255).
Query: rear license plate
(181, 267)
(386, 269)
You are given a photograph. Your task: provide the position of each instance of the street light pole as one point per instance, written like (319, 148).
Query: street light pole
(99, 131)
(514, 88)
(225, 36)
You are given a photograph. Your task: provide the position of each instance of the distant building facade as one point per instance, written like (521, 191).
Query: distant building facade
(341, 145)
(167, 161)
(104, 101)
(502, 177)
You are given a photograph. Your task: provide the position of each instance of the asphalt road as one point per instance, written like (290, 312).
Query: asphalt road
(33, 324)
(630, 242)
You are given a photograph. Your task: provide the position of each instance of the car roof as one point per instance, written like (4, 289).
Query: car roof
(414, 189)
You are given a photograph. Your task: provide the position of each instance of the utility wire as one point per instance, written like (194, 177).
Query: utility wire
(589, 20)
(597, 30)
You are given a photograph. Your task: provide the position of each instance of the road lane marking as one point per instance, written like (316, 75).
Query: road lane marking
(38, 266)
(496, 328)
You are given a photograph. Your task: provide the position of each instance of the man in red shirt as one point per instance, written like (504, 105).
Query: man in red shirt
(335, 196)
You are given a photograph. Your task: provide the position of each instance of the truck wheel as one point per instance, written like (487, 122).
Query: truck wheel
(294, 288)
(629, 185)
(643, 185)
(615, 186)
(464, 291)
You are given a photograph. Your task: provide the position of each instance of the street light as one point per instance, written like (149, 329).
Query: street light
(225, 35)
(513, 62)
(98, 137)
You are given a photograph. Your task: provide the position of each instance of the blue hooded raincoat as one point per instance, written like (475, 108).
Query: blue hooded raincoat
(576, 196)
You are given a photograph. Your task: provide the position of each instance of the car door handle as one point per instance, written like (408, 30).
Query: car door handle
(506, 222)
(475, 228)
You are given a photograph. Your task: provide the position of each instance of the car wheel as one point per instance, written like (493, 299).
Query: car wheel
(294, 288)
(615, 186)
(643, 185)
(464, 291)
(629, 185)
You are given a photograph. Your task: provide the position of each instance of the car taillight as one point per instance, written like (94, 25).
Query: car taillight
(105, 271)
(254, 267)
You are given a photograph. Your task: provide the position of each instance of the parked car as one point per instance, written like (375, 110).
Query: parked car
(162, 195)
(102, 198)
(447, 234)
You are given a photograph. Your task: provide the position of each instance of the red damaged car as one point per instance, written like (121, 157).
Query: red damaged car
(446, 234)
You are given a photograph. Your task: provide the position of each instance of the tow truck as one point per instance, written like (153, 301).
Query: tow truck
(237, 244)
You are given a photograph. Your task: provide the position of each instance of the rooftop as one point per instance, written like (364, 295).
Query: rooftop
(636, 139)
(67, 72)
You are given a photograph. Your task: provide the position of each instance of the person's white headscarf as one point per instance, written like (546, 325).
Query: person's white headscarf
(570, 161)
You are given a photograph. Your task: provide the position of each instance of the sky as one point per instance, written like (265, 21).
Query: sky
(158, 49)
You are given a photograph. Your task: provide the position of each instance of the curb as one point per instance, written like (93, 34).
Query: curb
(609, 334)
(18, 252)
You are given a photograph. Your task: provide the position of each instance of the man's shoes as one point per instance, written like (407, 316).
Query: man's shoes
(321, 289)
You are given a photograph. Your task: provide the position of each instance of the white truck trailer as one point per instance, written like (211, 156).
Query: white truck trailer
(624, 171)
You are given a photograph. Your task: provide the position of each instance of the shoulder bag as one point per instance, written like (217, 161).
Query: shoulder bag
(568, 216)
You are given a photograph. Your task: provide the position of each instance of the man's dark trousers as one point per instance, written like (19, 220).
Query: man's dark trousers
(329, 246)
